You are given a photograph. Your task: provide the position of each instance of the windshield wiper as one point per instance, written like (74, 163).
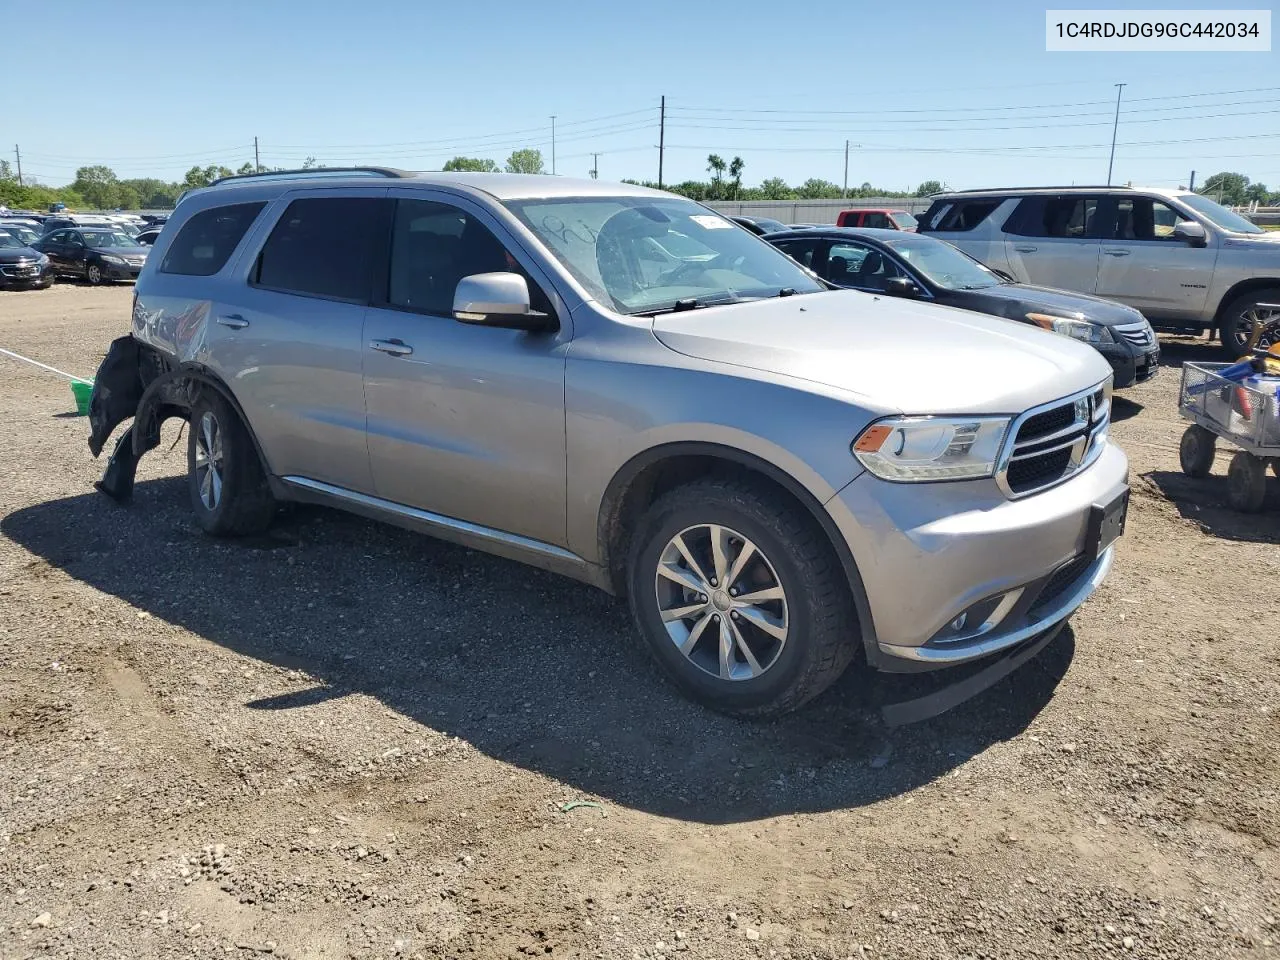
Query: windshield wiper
(692, 303)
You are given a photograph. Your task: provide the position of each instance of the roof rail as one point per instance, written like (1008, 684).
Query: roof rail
(1074, 186)
(316, 173)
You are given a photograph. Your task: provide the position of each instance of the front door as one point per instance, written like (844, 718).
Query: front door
(1144, 265)
(465, 421)
(1053, 241)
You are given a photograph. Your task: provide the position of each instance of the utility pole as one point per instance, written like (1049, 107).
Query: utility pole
(595, 166)
(1192, 185)
(1114, 128)
(844, 190)
(257, 164)
(662, 136)
(553, 144)
(18, 155)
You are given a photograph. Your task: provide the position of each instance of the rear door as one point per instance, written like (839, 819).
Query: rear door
(286, 331)
(54, 246)
(77, 252)
(1144, 265)
(464, 420)
(1055, 241)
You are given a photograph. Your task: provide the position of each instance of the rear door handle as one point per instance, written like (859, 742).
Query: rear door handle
(1026, 249)
(1115, 253)
(234, 321)
(397, 348)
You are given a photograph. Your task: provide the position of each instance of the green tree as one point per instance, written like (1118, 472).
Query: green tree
(1225, 187)
(525, 161)
(735, 177)
(1257, 192)
(775, 188)
(472, 165)
(98, 186)
(244, 168)
(815, 189)
(6, 171)
(715, 167)
(928, 188)
(203, 176)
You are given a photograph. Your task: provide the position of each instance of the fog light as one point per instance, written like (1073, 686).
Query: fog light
(958, 623)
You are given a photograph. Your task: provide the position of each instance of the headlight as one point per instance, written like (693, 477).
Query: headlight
(43, 260)
(107, 258)
(1075, 329)
(916, 449)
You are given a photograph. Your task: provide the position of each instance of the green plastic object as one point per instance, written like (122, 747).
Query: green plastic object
(82, 390)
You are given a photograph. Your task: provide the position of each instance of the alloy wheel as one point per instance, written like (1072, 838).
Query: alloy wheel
(209, 460)
(722, 602)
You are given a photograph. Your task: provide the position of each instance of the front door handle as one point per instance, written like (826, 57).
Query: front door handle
(1115, 253)
(397, 348)
(1026, 249)
(234, 321)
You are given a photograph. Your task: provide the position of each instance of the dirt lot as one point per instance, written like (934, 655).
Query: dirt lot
(345, 740)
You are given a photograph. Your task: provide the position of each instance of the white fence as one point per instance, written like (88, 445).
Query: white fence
(815, 211)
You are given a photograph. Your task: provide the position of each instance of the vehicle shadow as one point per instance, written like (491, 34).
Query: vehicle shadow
(1205, 503)
(532, 669)
(1122, 408)
(1175, 351)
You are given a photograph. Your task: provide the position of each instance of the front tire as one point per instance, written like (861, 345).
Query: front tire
(1238, 318)
(1247, 482)
(225, 477)
(740, 598)
(1196, 451)
(94, 275)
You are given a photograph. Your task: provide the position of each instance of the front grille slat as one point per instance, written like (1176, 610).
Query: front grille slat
(1052, 443)
(1139, 334)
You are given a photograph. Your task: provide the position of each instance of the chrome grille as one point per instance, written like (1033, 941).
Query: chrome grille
(1050, 443)
(1139, 334)
(23, 268)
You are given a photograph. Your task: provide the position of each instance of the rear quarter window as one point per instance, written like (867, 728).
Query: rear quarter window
(959, 216)
(206, 241)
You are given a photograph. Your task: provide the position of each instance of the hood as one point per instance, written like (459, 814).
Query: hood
(1268, 240)
(1019, 299)
(15, 254)
(899, 355)
(131, 252)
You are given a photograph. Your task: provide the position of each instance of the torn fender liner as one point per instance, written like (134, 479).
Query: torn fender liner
(117, 388)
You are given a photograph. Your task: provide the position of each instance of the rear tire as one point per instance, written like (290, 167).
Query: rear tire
(225, 477)
(1247, 482)
(778, 633)
(1236, 325)
(1196, 451)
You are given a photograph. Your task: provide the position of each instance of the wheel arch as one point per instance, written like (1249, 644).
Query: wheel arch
(649, 474)
(1241, 288)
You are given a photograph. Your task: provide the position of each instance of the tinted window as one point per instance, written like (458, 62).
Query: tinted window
(1143, 218)
(323, 247)
(205, 243)
(799, 250)
(433, 246)
(855, 265)
(1047, 216)
(962, 215)
(875, 220)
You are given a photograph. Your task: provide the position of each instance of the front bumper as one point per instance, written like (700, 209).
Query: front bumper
(13, 276)
(114, 271)
(927, 553)
(1131, 364)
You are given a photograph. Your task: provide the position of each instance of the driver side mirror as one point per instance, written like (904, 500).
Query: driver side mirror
(901, 287)
(498, 300)
(1191, 233)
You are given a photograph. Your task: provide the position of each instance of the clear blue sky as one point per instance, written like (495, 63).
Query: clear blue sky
(959, 92)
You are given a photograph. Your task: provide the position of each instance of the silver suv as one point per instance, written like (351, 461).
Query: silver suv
(1187, 263)
(623, 386)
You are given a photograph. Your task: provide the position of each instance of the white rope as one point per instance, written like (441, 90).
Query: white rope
(42, 366)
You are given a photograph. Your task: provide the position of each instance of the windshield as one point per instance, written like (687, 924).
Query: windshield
(944, 265)
(1219, 215)
(9, 240)
(109, 240)
(904, 220)
(25, 234)
(648, 254)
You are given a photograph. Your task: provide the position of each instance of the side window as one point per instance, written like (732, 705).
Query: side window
(875, 220)
(964, 215)
(323, 247)
(1145, 218)
(1068, 218)
(433, 246)
(58, 236)
(205, 243)
(75, 237)
(801, 250)
(855, 265)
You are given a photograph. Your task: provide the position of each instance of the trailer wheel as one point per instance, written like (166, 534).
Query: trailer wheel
(1247, 482)
(1196, 451)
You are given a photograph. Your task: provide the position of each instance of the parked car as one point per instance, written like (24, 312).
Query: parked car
(19, 229)
(148, 237)
(96, 254)
(759, 225)
(1189, 264)
(20, 265)
(880, 219)
(919, 267)
(64, 221)
(617, 384)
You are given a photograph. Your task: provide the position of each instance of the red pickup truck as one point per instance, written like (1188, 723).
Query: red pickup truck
(885, 219)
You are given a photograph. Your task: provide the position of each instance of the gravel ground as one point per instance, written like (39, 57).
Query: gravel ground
(343, 740)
